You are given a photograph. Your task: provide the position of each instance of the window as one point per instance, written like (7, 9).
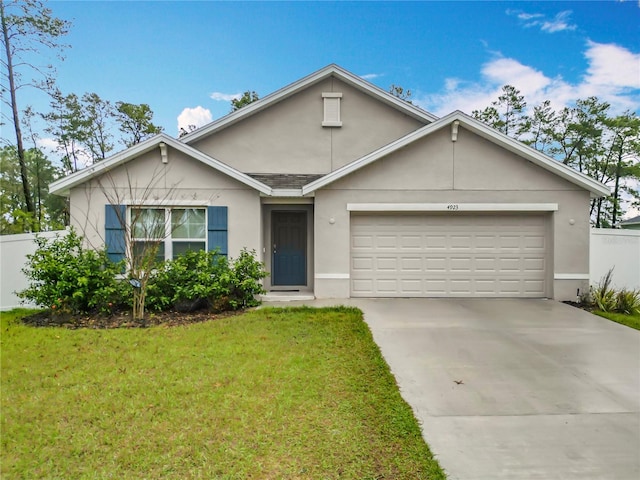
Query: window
(175, 230)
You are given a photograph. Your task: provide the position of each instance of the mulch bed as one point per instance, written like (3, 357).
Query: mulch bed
(47, 318)
(582, 306)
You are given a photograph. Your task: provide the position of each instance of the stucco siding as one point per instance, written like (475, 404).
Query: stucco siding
(430, 171)
(437, 163)
(181, 182)
(289, 137)
(482, 165)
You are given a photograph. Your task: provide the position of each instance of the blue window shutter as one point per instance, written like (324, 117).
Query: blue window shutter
(217, 229)
(114, 232)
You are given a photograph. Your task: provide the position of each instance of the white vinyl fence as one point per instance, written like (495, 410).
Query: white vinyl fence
(13, 257)
(619, 249)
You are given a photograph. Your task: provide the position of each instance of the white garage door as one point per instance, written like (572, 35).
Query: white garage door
(460, 255)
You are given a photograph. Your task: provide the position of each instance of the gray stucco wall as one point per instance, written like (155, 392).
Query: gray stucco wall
(183, 181)
(288, 137)
(437, 170)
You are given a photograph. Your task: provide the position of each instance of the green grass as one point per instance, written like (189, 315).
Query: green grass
(270, 394)
(632, 321)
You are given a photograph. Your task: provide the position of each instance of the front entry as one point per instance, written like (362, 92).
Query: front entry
(289, 248)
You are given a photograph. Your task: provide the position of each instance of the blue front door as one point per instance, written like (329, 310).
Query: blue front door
(289, 248)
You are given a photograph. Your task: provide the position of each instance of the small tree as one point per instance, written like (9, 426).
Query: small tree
(145, 230)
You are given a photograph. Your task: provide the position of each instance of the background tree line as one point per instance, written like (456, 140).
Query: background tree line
(586, 136)
(85, 129)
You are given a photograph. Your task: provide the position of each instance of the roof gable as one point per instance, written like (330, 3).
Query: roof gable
(454, 120)
(286, 92)
(64, 185)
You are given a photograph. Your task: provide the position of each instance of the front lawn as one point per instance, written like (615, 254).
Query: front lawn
(632, 321)
(273, 393)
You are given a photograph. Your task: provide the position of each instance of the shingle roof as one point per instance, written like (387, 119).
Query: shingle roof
(285, 180)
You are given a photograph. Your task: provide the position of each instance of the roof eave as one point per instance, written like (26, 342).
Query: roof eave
(63, 186)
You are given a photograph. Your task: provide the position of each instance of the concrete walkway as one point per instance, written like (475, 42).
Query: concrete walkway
(514, 389)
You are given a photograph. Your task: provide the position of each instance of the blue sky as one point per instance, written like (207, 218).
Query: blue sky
(186, 59)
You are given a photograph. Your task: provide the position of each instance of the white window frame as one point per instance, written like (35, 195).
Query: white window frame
(167, 239)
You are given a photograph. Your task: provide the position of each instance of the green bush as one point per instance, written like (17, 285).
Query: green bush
(206, 280)
(628, 302)
(607, 299)
(243, 280)
(602, 295)
(67, 278)
(189, 282)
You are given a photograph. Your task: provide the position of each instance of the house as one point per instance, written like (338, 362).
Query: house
(344, 190)
(631, 223)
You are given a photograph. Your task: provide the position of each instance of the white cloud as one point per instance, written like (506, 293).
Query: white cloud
(371, 76)
(47, 144)
(197, 116)
(612, 65)
(529, 16)
(559, 23)
(225, 97)
(611, 75)
(508, 70)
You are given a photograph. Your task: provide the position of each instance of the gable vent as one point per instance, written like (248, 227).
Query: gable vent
(331, 109)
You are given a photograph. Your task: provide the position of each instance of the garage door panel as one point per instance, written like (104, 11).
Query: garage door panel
(440, 255)
(411, 287)
(435, 265)
(363, 264)
(387, 286)
(457, 265)
(385, 264)
(362, 286)
(412, 264)
(411, 242)
(460, 242)
(362, 241)
(486, 264)
(386, 242)
(533, 264)
(436, 242)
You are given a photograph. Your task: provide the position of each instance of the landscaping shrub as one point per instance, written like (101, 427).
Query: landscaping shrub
(189, 282)
(602, 295)
(607, 299)
(206, 280)
(628, 302)
(67, 278)
(243, 280)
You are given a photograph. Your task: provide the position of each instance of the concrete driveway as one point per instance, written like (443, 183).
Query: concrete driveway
(510, 389)
(515, 389)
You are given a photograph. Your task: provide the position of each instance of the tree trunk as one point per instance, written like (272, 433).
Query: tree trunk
(616, 190)
(16, 118)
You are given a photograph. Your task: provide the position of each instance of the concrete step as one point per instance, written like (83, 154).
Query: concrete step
(287, 296)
